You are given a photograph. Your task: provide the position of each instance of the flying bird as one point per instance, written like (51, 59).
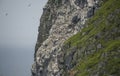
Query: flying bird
(6, 14)
(29, 5)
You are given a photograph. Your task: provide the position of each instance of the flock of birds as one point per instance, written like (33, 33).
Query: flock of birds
(29, 5)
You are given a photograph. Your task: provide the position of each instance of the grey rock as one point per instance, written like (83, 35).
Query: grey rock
(99, 46)
(81, 3)
(61, 19)
(91, 12)
(75, 19)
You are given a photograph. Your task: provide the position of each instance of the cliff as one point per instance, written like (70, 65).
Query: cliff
(78, 38)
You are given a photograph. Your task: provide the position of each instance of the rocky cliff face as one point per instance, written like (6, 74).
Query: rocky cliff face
(76, 38)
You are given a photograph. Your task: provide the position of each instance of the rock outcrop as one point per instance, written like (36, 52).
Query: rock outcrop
(71, 41)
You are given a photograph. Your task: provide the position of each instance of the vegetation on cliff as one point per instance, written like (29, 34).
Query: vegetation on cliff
(95, 50)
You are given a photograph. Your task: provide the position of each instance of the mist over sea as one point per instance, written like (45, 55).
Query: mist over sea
(19, 21)
(16, 62)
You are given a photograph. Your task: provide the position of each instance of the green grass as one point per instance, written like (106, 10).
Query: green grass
(91, 61)
(99, 23)
(92, 30)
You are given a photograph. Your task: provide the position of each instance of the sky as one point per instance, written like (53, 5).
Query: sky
(19, 21)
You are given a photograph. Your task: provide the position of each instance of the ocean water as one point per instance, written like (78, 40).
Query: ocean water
(16, 62)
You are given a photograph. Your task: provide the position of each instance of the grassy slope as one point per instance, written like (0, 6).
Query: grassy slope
(100, 30)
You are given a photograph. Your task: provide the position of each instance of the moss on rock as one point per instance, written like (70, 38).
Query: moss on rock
(97, 46)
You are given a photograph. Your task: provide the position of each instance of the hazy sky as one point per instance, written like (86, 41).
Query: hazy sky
(19, 21)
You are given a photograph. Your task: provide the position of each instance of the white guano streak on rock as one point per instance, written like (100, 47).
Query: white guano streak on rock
(58, 34)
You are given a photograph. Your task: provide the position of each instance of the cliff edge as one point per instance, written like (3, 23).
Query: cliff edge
(78, 38)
